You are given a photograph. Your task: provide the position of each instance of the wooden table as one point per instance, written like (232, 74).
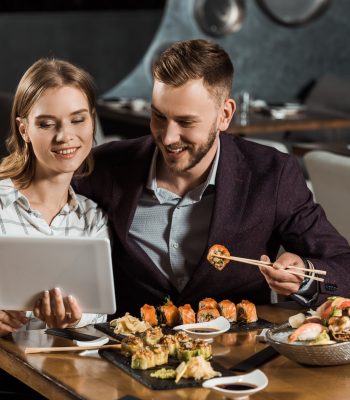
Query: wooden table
(256, 123)
(70, 376)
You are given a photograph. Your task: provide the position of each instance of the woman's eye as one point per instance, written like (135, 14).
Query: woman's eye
(78, 120)
(46, 125)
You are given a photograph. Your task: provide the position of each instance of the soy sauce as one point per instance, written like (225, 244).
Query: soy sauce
(238, 386)
(203, 330)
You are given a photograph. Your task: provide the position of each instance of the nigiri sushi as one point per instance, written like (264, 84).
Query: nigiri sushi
(186, 314)
(246, 311)
(149, 314)
(228, 310)
(207, 314)
(169, 313)
(306, 332)
(208, 302)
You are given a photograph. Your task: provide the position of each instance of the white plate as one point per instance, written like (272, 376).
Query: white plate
(256, 378)
(221, 325)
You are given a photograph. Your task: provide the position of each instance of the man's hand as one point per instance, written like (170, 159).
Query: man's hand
(57, 311)
(10, 321)
(278, 278)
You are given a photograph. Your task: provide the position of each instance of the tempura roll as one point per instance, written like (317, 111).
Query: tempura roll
(143, 359)
(152, 335)
(130, 345)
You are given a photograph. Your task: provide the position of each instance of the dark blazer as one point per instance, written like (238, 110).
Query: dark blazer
(261, 203)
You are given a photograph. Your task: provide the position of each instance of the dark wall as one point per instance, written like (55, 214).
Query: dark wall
(107, 44)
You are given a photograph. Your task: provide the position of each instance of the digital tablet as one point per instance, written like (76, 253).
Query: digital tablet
(81, 267)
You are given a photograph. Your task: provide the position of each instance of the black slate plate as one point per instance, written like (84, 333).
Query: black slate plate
(143, 376)
(235, 327)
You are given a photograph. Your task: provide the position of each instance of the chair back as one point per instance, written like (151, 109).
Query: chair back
(330, 177)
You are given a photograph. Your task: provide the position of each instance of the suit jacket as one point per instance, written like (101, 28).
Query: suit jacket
(261, 203)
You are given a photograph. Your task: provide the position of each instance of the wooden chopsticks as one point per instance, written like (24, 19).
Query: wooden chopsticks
(270, 264)
(34, 350)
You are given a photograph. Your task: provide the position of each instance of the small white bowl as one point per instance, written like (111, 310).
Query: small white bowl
(256, 378)
(220, 324)
(96, 342)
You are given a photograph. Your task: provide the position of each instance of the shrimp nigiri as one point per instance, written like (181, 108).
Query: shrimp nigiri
(307, 331)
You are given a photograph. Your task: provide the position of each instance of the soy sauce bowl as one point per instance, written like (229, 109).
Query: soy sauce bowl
(238, 387)
(206, 330)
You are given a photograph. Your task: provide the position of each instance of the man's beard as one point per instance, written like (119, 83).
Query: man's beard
(195, 155)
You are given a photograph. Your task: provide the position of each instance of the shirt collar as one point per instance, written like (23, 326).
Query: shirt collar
(9, 195)
(197, 193)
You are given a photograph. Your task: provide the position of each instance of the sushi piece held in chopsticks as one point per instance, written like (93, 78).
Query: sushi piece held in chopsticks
(208, 302)
(149, 314)
(215, 250)
(186, 315)
(228, 310)
(169, 313)
(207, 314)
(246, 312)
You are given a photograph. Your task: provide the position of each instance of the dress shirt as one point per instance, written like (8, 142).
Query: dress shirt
(178, 240)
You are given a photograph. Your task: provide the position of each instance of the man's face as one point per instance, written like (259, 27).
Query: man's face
(185, 125)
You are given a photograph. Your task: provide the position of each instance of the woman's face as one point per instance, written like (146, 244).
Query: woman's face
(59, 127)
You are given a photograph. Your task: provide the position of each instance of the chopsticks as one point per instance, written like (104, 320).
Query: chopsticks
(35, 350)
(270, 264)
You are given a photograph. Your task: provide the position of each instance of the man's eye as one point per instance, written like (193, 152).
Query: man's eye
(185, 124)
(160, 117)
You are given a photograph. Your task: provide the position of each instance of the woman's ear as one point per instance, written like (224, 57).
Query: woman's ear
(22, 127)
(228, 109)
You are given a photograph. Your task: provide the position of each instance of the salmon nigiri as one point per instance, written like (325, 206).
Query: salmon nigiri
(228, 310)
(186, 314)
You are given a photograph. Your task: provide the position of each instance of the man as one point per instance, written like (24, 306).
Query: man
(169, 199)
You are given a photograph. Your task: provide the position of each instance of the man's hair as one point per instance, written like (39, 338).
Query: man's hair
(196, 59)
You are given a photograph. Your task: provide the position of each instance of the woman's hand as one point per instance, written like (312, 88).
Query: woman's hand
(278, 278)
(57, 311)
(10, 321)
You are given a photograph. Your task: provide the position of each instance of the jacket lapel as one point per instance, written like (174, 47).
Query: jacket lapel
(231, 191)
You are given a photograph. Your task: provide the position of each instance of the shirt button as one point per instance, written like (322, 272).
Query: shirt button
(175, 245)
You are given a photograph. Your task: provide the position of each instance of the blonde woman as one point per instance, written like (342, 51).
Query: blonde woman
(52, 132)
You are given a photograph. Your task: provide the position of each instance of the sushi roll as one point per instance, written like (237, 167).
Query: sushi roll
(143, 359)
(130, 345)
(208, 302)
(186, 351)
(169, 314)
(202, 348)
(171, 343)
(207, 314)
(161, 354)
(246, 312)
(186, 314)
(152, 336)
(228, 310)
(182, 337)
(149, 314)
(306, 332)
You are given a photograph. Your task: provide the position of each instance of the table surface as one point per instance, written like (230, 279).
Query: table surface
(72, 376)
(255, 123)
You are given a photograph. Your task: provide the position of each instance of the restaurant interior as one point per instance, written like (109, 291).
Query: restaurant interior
(292, 90)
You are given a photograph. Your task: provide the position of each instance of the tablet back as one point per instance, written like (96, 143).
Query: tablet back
(78, 266)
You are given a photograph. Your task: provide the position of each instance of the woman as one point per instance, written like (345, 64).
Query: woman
(52, 131)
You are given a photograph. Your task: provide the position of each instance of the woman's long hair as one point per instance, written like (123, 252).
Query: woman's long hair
(44, 74)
